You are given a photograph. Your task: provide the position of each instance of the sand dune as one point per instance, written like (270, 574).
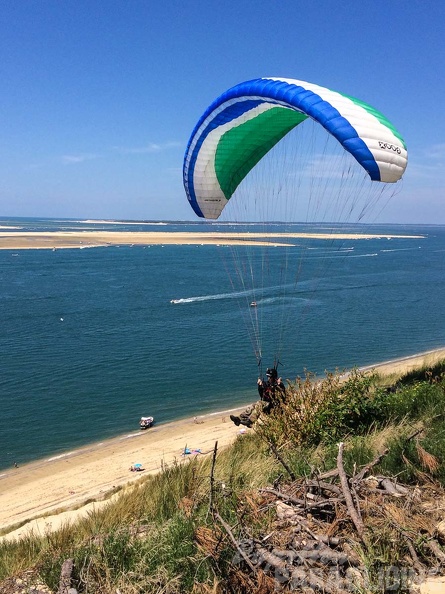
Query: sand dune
(67, 481)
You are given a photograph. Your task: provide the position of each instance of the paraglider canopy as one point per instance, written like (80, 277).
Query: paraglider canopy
(297, 165)
(242, 125)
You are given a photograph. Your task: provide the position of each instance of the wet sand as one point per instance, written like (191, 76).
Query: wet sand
(67, 481)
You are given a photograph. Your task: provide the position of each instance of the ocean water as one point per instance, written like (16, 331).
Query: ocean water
(90, 340)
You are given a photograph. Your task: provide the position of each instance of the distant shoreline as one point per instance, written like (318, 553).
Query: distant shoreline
(54, 240)
(30, 493)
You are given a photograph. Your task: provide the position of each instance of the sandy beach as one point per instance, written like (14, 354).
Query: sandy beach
(21, 240)
(70, 479)
(36, 493)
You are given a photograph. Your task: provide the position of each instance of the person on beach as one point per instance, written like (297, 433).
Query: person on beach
(271, 392)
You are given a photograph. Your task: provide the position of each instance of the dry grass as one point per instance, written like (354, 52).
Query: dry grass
(160, 535)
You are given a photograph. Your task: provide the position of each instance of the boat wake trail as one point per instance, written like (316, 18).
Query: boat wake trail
(212, 297)
(267, 295)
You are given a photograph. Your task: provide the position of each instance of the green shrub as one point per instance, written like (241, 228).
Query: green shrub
(416, 400)
(325, 410)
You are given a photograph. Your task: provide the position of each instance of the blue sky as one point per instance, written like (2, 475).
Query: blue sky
(98, 97)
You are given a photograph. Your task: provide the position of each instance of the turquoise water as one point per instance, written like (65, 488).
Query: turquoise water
(90, 340)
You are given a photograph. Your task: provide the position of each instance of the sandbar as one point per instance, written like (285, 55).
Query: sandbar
(20, 240)
(35, 494)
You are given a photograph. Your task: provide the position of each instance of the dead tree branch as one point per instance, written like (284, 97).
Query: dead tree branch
(212, 478)
(234, 541)
(360, 475)
(354, 514)
(280, 458)
(65, 577)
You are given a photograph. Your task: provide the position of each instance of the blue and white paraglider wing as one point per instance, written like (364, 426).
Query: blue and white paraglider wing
(244, 123)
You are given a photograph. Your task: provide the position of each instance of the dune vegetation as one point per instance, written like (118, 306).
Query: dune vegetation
(341, 488)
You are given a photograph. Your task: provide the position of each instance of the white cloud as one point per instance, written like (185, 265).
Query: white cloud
(151, 147)
(436, 151)
(427, 165)
(73, 159)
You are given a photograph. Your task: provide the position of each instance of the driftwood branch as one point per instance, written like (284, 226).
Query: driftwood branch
(280, 458)
(355, 516)
(412, 551)
(360, 475)
(414, 434)
(284, 496)
(390, 487)
(303, 524)
(212, 478)
(304, 503)
(324, 486)
(280, 562)
(234, 541)
(302, 579)
(309, 555)
(287, 512)
(316, 552)
(328, 474)
(65, 577)
(436, 550)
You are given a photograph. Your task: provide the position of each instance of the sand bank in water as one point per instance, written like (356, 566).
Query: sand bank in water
(70, 479)
(20, 240)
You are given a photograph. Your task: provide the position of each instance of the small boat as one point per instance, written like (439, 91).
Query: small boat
(253, 304)
(146, 422)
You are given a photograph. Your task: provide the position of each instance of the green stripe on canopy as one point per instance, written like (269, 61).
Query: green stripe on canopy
(379, 116)
(242, 146)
